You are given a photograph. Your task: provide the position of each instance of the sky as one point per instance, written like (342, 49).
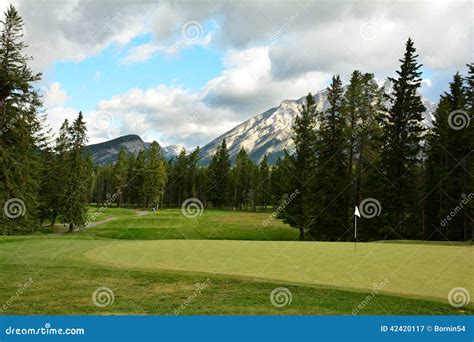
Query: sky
(184, 72)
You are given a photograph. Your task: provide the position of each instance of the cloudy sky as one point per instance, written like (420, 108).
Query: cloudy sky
(187, 71)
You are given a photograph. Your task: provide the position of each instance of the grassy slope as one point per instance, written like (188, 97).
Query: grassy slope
(64, 279)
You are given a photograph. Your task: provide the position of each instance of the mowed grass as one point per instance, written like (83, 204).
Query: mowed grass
(211, 225)
(416, 270)
(158, 277)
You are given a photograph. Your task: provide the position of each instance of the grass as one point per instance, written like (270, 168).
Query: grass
(212, 225)
(157, 277)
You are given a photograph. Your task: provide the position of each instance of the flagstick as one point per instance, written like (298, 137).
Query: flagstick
(355, 234)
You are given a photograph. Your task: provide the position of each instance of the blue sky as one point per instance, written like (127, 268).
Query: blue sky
(185, 72)
(103, 75)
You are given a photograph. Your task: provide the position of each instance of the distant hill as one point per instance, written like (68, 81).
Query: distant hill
(107, 152)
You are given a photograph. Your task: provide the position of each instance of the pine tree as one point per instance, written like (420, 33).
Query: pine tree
(78, 176)
(298, 212)
(449, 169)
(154, 176)
(242, 179)
(264, 184)
(330, 221)
(402, 151)
(218, 176)
(20, 127)
(193, 165)
(120, 177)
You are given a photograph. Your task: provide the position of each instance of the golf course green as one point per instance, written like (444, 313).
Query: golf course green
(154, 262)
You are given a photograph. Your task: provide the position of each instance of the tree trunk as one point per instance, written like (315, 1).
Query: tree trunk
(301, 234)
(71, 228)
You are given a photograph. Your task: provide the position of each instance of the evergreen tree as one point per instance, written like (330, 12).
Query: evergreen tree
(78, 176)
(242, 180)
(330, 221)
(299, 211)
(401, 151)
(120, 177)
(449, 169)
(20, 127)
(154, 176)
(218, 176)
(264, 184)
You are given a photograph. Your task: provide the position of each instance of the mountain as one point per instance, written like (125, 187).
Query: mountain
(270, 132)
(107, 152)
(265, 133)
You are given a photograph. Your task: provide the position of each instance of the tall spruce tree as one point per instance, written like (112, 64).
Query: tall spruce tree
(449, 166)
(20, 125)
(78, 176)
(298, 212)
(263, 187)
(218, 176)
(154, 176)
(330, 220)
(402, 151)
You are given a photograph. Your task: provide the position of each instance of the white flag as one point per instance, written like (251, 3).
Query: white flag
(356, 212)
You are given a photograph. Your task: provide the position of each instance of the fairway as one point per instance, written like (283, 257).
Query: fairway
(408, 269)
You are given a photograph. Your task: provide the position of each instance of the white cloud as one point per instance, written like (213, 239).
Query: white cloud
(54, 95)
(176, 115)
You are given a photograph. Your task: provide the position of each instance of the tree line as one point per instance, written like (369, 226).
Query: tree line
(370, 148)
